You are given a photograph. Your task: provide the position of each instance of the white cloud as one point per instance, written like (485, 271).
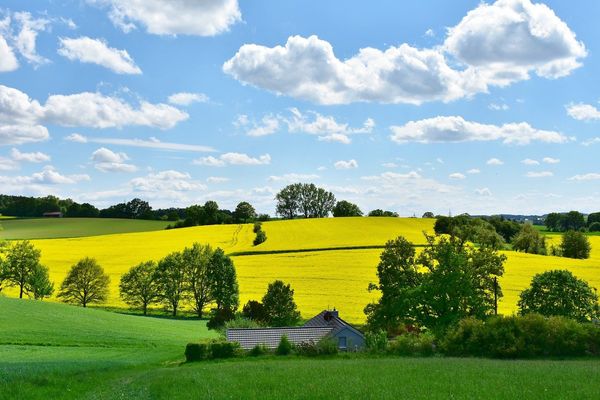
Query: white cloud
(350, 164)
(494, 161)
(185, 17)
(152, 143)
(22, 119)
(473, 171)
(493, 45)
(583, 112)
(269, 125)
(586, 177)
(592, 141)
(325, 127)
(25, 40)
(457, 175)
(293, 177)
(389, 165)
(35, 157)
(168, 183)
(8, 61)
(233, 159)
(541, 174)
(96, 51)
(485, 192)
(48, 176)
(307, 68)
(106, 160)
(186, 98)
(498, 107)
(217, 179)
(529, 161)
(6, 164)
(550, 160)
(502, 42)
(430, 32)
(456, 129)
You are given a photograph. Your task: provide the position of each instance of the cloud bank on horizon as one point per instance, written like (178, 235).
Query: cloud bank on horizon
(105, 100)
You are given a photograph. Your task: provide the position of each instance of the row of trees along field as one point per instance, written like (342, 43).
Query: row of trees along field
(499, 233)
(573, 221)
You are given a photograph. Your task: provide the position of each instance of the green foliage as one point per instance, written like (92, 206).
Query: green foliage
(324, 347)
(344, 208)
(171, 276)
(279, 305)
(529, 240)
(413, 345)
(85, 283)
(255, 311)
(575, 245)
(304, 199)
(428, 214)
(261, 237)
(244, 212)
(284, 347)
(214, 349)
(196, 262)
(504, 227)
(196, 351)
(240, 322)
(38, 283)
(258, 350)
(531, 335)
(571, 221)
(380, 213)
(224, 288)
(21, 261)
(559, 293)
(593, 218)
(466, 229)
(221, 349)
(219, 317)
(448, 281)
(594, 227)
(139, 286)
(257, 227)
(377, 341)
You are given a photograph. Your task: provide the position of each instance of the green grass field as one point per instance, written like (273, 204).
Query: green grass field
(55, 351)
(50, 228)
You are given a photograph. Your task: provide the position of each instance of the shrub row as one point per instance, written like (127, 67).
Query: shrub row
(210, 350)
(526, 336)
(261, 236)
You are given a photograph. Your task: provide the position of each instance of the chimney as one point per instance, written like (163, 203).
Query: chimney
(335, 313)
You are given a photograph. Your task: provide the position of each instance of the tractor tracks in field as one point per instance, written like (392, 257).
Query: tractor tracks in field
(236, 234)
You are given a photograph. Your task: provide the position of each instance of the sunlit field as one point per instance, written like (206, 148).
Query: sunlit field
(333, 278)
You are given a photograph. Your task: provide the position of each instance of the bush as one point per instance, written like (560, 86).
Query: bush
(324, 347)
(223, 349)
(376, 342)
(257, 227)
(219, 317)
(575, 245)
(196, 351)
(240, 322)
(285, 347)
(258, 350)
(413, 345)
(594, 227)
(255, 311)
(522, 337)
(261, 237)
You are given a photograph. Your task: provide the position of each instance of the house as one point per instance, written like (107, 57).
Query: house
(53, 214)
(327, 324)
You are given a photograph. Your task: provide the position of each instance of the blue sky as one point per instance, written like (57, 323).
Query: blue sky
(408, 106)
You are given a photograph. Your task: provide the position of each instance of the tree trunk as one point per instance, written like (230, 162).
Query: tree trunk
(145, 308)
(174, 311)
(21, 291)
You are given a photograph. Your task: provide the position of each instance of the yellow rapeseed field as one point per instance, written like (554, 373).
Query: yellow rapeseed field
(337, 278)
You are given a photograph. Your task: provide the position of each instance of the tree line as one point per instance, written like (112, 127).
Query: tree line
(573, 221)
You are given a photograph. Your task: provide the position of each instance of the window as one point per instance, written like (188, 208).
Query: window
(342, 342)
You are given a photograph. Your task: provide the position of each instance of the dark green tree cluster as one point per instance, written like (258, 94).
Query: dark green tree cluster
(468, 229)
(449, 280)
(571, 221)
(261, 235)
(381, 213)
(529, 240)
(277, 307)
(20, 266)
(199, 276)
(574, 244)
(560, 293)
(344, 208)
(304, 200)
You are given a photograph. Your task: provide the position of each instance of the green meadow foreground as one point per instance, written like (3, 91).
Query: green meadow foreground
(55, 351)
(51, 228)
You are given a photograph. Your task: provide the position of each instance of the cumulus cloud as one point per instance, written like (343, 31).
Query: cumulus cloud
(186, 98)
(529, 161)
(174, 17)
(217, 179)
(106, 160)
(342, 164)
(325, 127)
(473, 171)
(34, 157)
(268, 126)
(583, 112)
(22, 118)
(493, 45)
(25, 40)
(550, 160)
(48, 176)
(592, 176)
(456, 129)
(6, 164)
(8, 61)
(97, 51)
(457, 176)
(502, 42)
(540, 174)
(293, 177)
(169, 181)
(233, 159)
(498, 107)
(494, 161)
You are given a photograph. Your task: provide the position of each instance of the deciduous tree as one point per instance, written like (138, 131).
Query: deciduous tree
(20, 262)
(344, 208)
(139, 286)
(38, 284)
(85, 283)
(172, 280)
(280, 308)
(575, 245)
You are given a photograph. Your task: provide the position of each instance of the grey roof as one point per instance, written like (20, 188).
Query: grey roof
(332, 319)
(270, 337)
